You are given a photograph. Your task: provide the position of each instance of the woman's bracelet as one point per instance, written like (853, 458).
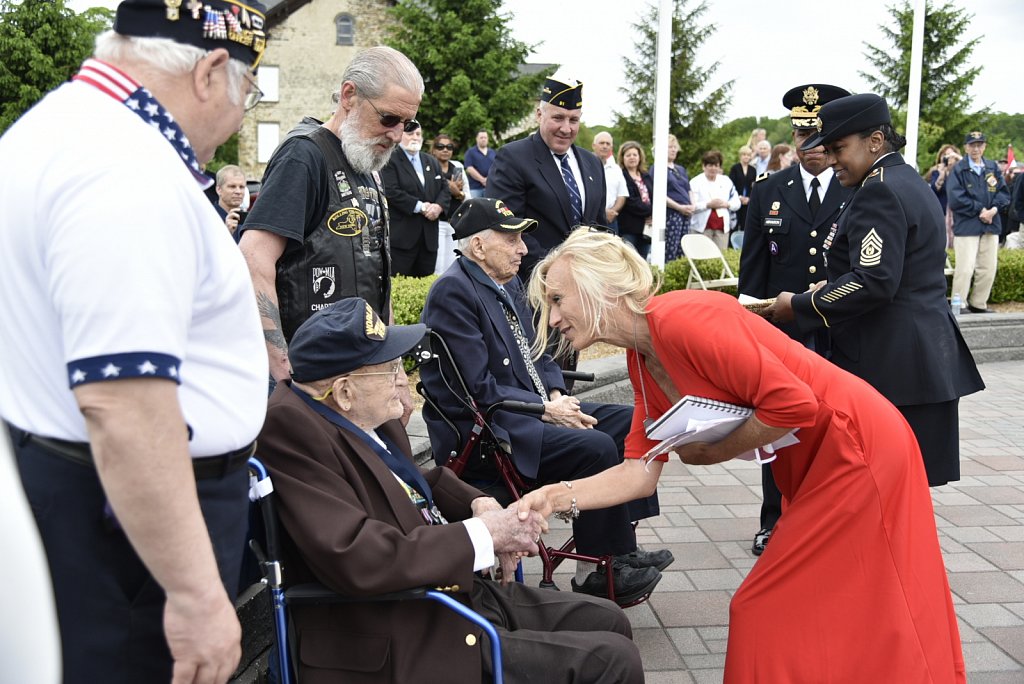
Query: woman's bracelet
(573, 512)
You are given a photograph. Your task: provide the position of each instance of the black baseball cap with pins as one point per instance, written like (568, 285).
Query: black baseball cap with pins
(239, 28)
(481, 213)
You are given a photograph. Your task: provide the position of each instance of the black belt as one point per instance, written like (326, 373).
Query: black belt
(206, 468)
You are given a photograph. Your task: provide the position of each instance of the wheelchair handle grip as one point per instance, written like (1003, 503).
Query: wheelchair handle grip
(579, 376)
(515, 407)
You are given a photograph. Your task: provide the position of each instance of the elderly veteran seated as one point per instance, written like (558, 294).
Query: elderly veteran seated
(364, 520)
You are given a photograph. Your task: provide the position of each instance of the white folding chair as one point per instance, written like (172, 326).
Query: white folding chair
(697, 247)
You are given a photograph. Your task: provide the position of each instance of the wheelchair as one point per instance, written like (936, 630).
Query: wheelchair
(268, 555)
(486, 462)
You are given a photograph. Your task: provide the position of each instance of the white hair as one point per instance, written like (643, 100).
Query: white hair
(374, 69)
(166, 56)
(463, 243)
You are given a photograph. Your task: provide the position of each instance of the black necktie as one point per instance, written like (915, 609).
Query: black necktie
(814, 201)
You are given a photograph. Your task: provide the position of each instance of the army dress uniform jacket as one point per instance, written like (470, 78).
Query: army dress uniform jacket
(884, 304)
(525, 176)
(782, 244)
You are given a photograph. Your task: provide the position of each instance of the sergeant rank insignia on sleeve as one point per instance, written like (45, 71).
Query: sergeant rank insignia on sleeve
(871, 249)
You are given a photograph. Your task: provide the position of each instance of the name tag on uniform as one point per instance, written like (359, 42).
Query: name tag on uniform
(772, 222)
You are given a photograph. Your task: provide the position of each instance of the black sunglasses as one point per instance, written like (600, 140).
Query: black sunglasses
(392, 120)
(443, 146)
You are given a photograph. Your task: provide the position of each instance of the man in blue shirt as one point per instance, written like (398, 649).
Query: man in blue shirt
(478, 164)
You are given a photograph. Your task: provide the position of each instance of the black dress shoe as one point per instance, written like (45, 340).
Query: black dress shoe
(974, 309)
(630, 583)
(661, 559)
(760, 541)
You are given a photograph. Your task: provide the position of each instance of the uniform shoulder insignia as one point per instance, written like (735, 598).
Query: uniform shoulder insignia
(878, 174)
(762, 177)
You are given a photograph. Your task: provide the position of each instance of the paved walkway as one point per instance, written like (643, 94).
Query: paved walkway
(709, 516)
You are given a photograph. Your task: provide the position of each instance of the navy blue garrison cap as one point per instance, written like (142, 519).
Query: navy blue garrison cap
(853, 114)
(344, 337)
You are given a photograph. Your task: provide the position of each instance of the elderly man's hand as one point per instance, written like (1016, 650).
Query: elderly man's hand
(565, 411)
(512, 535)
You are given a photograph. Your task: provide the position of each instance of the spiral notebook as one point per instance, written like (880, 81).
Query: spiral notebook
(676, 419)
(699, 419)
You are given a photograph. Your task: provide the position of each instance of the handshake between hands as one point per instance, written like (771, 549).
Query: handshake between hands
(513, 535)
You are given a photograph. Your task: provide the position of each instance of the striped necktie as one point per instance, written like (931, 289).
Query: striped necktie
(573, 188)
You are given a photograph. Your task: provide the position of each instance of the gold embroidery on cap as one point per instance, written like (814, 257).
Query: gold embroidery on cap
(375, 328)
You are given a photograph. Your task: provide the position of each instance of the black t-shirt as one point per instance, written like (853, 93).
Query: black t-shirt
(293, 199)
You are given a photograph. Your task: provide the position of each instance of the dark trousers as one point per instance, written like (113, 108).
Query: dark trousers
(417, 261)
(109, 607)
(771, 507)
(571, 454)
(937, 428)
(557, 636)
(641, 244)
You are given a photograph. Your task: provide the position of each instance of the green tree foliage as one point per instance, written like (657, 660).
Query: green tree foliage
(472, 68)
(42, 44)
(945, 76)
(694, 108)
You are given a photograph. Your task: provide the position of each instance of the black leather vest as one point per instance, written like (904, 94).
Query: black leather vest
(348, 255)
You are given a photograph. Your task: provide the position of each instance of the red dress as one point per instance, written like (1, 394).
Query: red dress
(852, 587)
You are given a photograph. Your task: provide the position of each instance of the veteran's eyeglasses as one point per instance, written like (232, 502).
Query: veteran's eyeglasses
(392, 120)
(393, 371)
(253, 97)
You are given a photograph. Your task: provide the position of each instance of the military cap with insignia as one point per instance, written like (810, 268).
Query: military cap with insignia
(344, 337)
(804, 102)
(974, 137)
(562, 91)
(848, 115)
(235, 26)
(482, 213)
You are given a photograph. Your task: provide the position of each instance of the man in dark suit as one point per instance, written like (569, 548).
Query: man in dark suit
(546, 177)
(479, 309)
(363, 519)
(788, 218)
(417, 197)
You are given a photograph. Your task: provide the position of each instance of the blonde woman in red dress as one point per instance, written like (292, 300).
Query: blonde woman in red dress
(852, 587)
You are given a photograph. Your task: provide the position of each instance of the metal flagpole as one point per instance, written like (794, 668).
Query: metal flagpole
(658, 155)
(914, 94)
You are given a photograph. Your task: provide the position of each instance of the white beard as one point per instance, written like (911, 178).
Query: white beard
(414, 146)
(359, 152)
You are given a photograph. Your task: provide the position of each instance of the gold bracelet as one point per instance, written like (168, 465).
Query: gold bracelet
(573, 512)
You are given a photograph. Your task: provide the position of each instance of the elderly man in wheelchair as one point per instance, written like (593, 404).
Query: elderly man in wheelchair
(363, 520)
(478, 308)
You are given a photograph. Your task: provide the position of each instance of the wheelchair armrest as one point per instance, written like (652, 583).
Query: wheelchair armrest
(578, 376)
(316, 593)
(515, 407)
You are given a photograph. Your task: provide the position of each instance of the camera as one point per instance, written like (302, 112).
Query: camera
(947, 160)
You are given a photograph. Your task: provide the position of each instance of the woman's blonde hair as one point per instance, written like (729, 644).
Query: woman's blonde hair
(606, 272)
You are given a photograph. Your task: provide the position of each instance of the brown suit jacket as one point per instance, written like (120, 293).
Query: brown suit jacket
(351, 526)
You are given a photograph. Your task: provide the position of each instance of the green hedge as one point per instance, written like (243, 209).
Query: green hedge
(408, 294)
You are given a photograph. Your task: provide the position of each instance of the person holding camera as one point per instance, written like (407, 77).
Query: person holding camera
(230, 194)
(948, 156)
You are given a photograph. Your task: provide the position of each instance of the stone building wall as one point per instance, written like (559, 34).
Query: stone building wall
(303, 47)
